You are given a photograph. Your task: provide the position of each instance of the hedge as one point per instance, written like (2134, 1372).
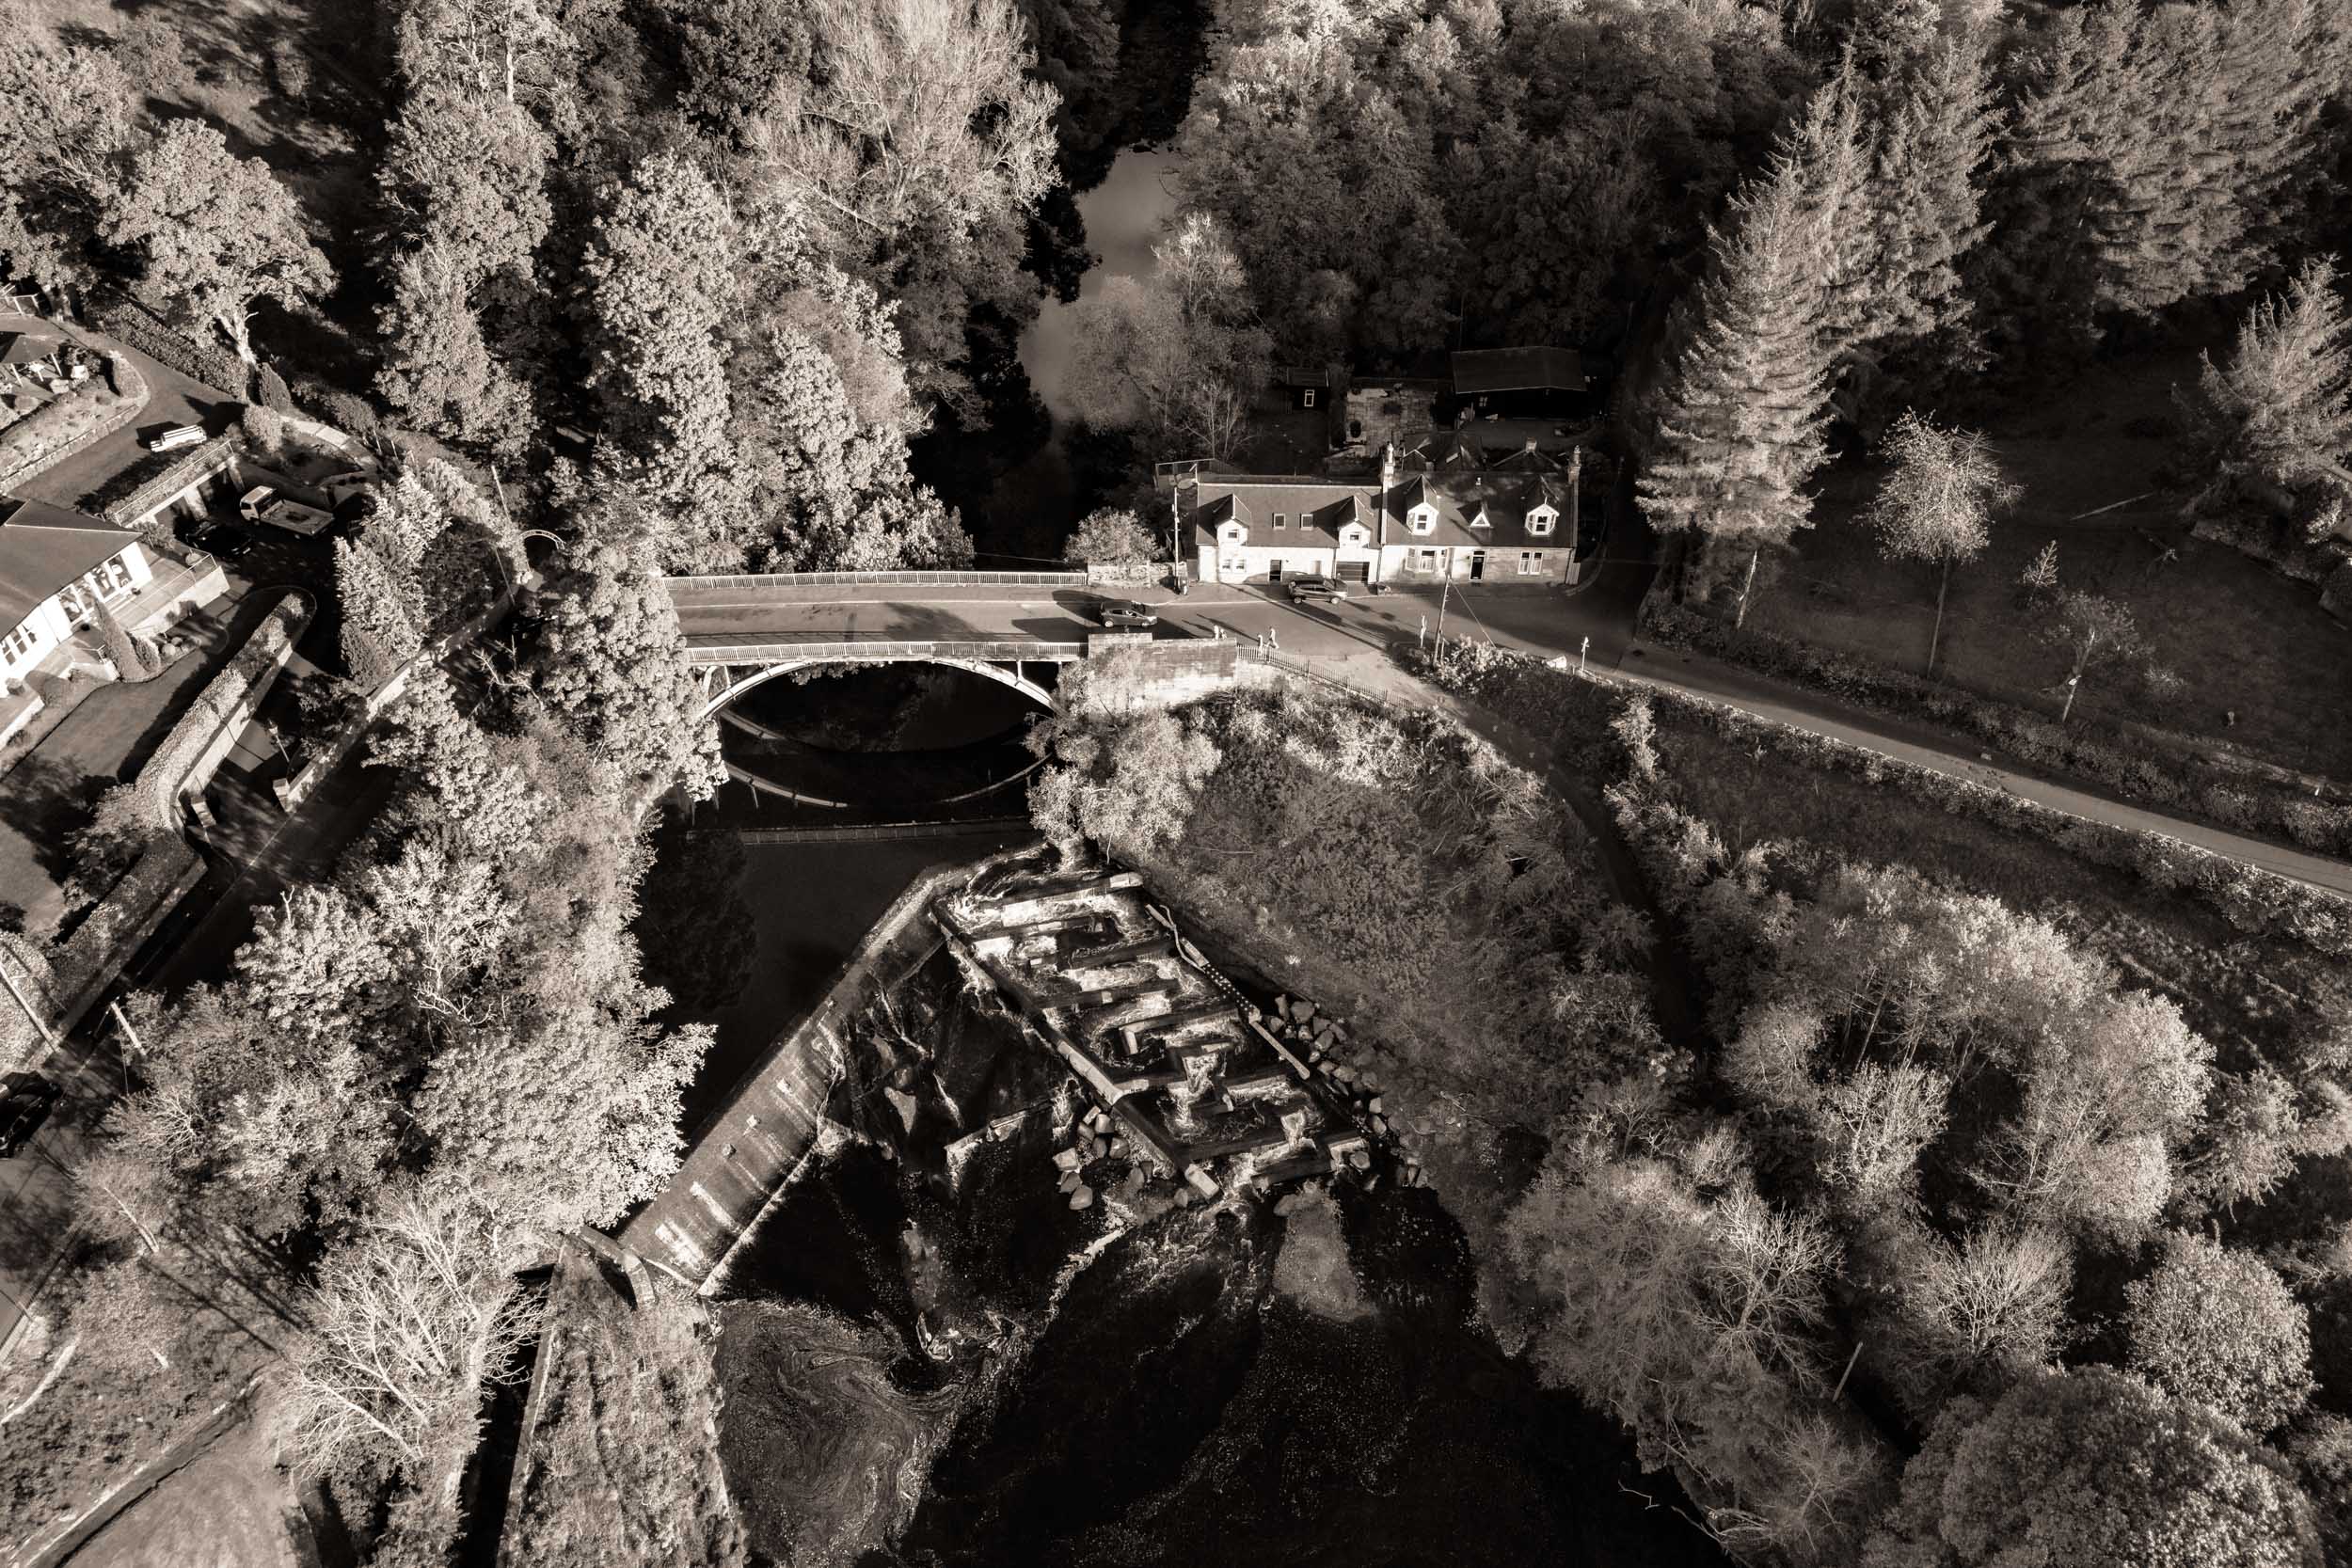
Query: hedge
(214, 367)
(2138, 768)
(83, 954)
(160, 781)
(1539, 697)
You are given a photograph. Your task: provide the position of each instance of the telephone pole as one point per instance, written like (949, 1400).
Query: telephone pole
(40, 1025)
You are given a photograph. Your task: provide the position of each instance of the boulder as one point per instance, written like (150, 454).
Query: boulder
(1082, 1199)
(1101, 1147)
(1118, 1146)
(1344, 1073)
(1372, 1104)
(904, 1104)
(1068, 1159)
(1360, 1159)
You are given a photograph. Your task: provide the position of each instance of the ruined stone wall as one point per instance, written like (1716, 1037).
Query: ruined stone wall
(1131, 672)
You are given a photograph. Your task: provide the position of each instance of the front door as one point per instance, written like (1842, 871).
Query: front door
(1478, 565)
(1274, 571)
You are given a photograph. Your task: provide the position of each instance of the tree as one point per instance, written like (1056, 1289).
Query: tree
(834, 493)
(438, 369)
(67, 115)
(2093, 1466)
(132, 662)
(2278, 420)
(1177, 356)
(406, 1323)
(658, 285)
(1740, 426)
(1973, 1315)
(219, 235)
(1111, 536)
(2092, 630)
(1937, 506)
(2219, 1326)
(611, 665)
(1129, 787)
(382, 629)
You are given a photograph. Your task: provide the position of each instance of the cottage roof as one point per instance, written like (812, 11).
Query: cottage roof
(1314, 509)
(43, 547)
(1516, 369)
(1302, 375)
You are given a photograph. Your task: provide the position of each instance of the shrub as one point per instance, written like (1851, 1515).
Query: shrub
(265, 432)
(270, 387)
(214, 367)
(50, 688)
(130, 660)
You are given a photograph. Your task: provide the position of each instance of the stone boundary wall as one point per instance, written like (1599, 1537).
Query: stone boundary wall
(130, 410)
(201, 463)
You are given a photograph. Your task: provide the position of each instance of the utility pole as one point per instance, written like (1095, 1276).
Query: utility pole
(40, 1025)
(1741, 619)
(1444, 589)
(2072, 682)
(1583, 648)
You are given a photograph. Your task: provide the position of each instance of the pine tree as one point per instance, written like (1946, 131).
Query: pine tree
(131, 661)
(379, 632)
(1740, 429)
(2279, 416)
(1932, 147)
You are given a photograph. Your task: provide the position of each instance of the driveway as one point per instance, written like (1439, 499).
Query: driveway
(173, 399)
(48, 795)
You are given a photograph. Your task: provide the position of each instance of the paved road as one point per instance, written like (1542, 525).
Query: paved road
(1353, 640)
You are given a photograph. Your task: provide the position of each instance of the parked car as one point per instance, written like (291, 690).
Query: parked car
(351, 481)
(1316, 587)
(177, 437)
(262, 504)
(220, 541)
(23, 1110)
(1125, 613)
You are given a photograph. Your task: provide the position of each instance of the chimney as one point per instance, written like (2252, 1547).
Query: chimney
(1531, 444)
(1576, 472)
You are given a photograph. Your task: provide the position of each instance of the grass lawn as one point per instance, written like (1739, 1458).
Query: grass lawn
(2241, 635)
(227, 1509)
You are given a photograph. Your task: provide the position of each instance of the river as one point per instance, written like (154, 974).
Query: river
(1124, 215)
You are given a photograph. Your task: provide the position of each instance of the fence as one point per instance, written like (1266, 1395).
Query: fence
(883, 580)
(835, 647)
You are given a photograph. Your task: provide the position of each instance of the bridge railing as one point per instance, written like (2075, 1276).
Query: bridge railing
(884, 579)
(835, 648)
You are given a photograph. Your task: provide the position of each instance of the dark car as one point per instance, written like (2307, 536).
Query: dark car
(23, 1110)
(221, 541)
(1317, 588)
(1125, 613)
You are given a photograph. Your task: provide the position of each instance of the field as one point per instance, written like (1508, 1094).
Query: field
(227, 1510)
(2241, 637)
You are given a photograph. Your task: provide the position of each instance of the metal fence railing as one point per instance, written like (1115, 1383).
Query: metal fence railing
(832, 647)
(880, 580)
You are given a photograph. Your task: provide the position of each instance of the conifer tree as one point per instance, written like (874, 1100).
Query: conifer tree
(131, 661)
(2279, 416)
(379, 631)
(1740, 426)
(1926, 179)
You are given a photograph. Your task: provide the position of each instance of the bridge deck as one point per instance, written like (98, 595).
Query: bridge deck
(748, 647)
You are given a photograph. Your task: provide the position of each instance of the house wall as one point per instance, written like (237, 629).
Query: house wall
(53, 622)
(1402, 564)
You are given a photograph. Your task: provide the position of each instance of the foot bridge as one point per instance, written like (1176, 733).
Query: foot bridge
(741, 631)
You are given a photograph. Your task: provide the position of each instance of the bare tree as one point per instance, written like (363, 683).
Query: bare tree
(1938, 504)
(2093, 631)
(408, 1321)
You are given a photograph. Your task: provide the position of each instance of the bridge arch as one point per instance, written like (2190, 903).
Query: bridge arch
(766, 672)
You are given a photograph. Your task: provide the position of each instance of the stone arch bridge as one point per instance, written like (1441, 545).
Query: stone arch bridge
(743, 630)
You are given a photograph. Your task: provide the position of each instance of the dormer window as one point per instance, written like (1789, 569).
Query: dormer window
(1479, 519)
(1539, 521)
(1423, 519)
(1234, 534)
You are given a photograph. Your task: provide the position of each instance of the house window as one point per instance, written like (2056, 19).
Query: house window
(16, 646)
(1540, 522)
(1281, 521)
(1423, 519)
(110, 579)
(1305, 397)
(1530, 563)
(1424, 560)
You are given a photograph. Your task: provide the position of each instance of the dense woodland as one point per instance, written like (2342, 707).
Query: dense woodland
(1935, 1237)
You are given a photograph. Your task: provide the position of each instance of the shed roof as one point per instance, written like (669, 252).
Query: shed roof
(1516, 370)
(43, 547)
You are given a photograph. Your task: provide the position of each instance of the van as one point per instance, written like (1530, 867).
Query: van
(178, 436)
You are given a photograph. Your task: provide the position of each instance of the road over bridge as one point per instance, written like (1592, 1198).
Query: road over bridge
(993, 624)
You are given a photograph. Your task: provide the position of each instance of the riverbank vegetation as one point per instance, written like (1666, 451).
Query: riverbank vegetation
(1974, 1106)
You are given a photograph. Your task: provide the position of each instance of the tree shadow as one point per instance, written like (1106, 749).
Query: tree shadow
(47, 802)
